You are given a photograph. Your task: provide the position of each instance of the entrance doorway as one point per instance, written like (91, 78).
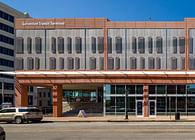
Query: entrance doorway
(152, 108)
(139, 108)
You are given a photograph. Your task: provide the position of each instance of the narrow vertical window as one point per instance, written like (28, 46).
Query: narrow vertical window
(52, 63)
(141, 45)
(70, 63)
(19, 45)
(181, 45)
(77, 63)
(191, 49)
(19, 63)
(150, 45)
(173, 63)
(133, 63)
(110, 64)
(134, 45)
(159, 45)
(191, 63)
(100, 44)
(117, 63)
(182, 62)
(174, 45)
(109, 46)
(30, 63)
(151, 63)
(158, 63)
(61, 63)
(142, 63)
(69, 45)
(118, 45)
(101, 63)
(92, 63)
(37, 63)
(78, 44)
(53, 45)
(38, 45)
(60, 45)
(93, 44)
(29, 45)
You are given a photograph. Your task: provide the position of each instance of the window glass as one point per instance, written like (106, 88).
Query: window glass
(173, 63)
(117, 63)
(93, 44)
(61, 63)
(110, 64)
(133, 63)
(78, 43)
(70, 63)
(134, 45)
(52, 62)
(159, 45)
(92, 64)
(182, 45)
(191, 49)
(19, 45)
(30, 63)
(100, 44)
(38, 45)
(69, 45)
(53, 45)
(109, 45)
(37, 63)
(174, 45)
(60, 45)
(101, 63)
(182, 62)
(142, 63)
(19, 63)
(118, 45)
(151, 63)
(158, 63)
(141, 45)
(77, 63)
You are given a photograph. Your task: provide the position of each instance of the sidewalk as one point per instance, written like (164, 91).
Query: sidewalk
(120, 119)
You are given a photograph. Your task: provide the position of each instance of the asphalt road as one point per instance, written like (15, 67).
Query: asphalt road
(101, 131)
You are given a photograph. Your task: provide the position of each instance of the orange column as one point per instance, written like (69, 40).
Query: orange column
(145, 100)
(21, 95)
(57, 101)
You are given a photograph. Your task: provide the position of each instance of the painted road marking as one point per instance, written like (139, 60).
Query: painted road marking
(100, 130)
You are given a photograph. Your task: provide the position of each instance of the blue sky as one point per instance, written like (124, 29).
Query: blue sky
(115, 10)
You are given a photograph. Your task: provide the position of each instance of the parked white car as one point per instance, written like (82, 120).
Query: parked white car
(21, 114)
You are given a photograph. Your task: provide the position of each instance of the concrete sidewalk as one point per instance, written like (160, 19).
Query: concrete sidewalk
(120, 119)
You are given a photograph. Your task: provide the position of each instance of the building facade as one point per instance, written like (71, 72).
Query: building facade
(95, 59)
(7, 53)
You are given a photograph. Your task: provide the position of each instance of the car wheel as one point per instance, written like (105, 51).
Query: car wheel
(18, 120)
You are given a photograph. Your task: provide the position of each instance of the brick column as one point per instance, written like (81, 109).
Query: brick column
(146, 101)
(21, 95)
(57, 100)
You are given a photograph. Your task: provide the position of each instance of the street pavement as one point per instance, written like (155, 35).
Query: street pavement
(101, 131)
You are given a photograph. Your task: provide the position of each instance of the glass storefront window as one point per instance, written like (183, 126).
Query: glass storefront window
(139, 89)
(181, 104)
(110, 105)
(171, 106)
(151, 89)
(181, 89)
(113, 89)
(120, 89)
(130, 89)
(191, 89)
(191, 105)
(107, 89)
(120, 104)
(161, 104)
(171, 89)
(161, 89)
